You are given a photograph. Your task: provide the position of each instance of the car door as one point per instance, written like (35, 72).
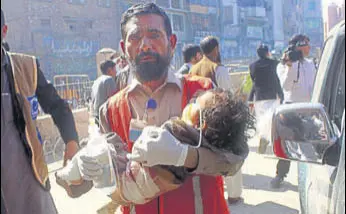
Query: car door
(337, 205)
(318, 180)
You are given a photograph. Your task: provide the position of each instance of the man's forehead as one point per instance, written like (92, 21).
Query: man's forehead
(145, 22)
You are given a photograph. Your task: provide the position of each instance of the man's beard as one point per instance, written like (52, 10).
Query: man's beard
(150, 71)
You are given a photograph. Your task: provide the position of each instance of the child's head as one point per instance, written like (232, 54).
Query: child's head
(226, 119)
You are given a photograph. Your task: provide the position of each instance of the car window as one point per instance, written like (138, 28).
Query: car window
(340, 97)
(324, 64)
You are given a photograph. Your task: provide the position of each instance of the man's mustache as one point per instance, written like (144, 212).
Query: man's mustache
(147, 54)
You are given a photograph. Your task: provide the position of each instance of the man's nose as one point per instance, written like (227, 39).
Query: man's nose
(146, 45)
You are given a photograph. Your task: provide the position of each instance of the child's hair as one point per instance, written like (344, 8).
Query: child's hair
(228, 120)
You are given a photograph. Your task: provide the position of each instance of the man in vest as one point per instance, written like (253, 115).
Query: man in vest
(210, 65)
(154, 96)
(24, 173)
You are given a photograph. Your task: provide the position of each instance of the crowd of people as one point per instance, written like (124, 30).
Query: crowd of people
(175, 166)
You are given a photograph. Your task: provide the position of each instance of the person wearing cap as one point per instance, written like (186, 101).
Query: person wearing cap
(103, 87)
(24, 173)
(210, 65)
(297, 79)
(155, 95)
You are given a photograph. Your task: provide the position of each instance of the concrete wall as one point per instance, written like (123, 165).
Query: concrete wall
(49, 131)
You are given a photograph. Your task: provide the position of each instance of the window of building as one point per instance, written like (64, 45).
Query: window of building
(45, 23)
(228, 14)
(178, 23)
(176, 4)
(77, 1)
(312, 6)
(104, 3)
(163, 3)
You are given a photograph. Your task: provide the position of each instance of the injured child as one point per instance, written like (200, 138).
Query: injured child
(215, 119)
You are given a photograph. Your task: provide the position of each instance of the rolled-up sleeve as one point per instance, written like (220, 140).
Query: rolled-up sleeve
(211, 163)
(52, 104)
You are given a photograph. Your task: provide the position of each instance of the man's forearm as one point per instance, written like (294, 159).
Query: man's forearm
(191, 161)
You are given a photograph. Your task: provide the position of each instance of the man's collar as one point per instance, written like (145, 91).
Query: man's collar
(171, 79)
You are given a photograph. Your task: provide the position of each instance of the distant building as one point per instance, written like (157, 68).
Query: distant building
(335, 14)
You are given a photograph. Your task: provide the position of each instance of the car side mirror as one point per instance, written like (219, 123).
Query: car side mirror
(302, 132)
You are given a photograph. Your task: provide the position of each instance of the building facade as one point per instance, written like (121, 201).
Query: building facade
(63, 34)
(66, 34)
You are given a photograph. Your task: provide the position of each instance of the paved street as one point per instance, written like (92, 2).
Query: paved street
(259, 198)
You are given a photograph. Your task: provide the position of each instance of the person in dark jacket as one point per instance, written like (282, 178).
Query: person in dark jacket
(24, 173)
(266, 83)
(265, 91)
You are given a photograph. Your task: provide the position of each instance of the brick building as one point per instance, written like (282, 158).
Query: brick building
(64, 34)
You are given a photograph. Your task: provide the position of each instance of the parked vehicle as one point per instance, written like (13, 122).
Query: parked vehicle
(314, 133)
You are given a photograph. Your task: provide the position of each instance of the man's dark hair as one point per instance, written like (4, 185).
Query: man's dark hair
(262, 51)
(228, 121)
(296, 40)
(144, 9)
(105, 65)
(208, 44)
(2, 18)
(190, 51)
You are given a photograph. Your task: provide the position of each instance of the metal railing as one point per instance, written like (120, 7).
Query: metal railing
(76, 94)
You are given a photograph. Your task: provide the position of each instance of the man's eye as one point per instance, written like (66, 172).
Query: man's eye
(154, 35)
(135, 37)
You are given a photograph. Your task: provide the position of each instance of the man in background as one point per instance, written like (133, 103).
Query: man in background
(210, 65)
(192, 55)
(103, 87)
(266, 90)
(297, 76)
(24, 172)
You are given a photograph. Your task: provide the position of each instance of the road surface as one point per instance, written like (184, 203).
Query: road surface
(259, 198)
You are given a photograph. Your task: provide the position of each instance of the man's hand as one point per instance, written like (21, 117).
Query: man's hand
(71, 149)
(156, 146)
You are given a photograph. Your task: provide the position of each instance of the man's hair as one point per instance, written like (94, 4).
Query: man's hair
(262, 51)
(297, 39)
(2, 18)
(190, 51)
(228, 121)
(105, 65)
(144, 9)
(208, 44)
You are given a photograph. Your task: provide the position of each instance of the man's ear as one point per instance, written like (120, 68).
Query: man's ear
(173, 42)
(122, 46)
(4, 32)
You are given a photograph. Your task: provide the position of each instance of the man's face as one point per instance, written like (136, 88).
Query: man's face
(147, 47)
(197, 58)
(305, 49)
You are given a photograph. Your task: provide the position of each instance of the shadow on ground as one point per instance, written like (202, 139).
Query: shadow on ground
(262, 182)
(264, 208)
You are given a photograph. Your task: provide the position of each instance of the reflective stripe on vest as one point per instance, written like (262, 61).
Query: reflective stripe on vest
(196, 180)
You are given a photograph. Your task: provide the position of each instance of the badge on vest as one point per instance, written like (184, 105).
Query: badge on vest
(34, 106)
(136, 128)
